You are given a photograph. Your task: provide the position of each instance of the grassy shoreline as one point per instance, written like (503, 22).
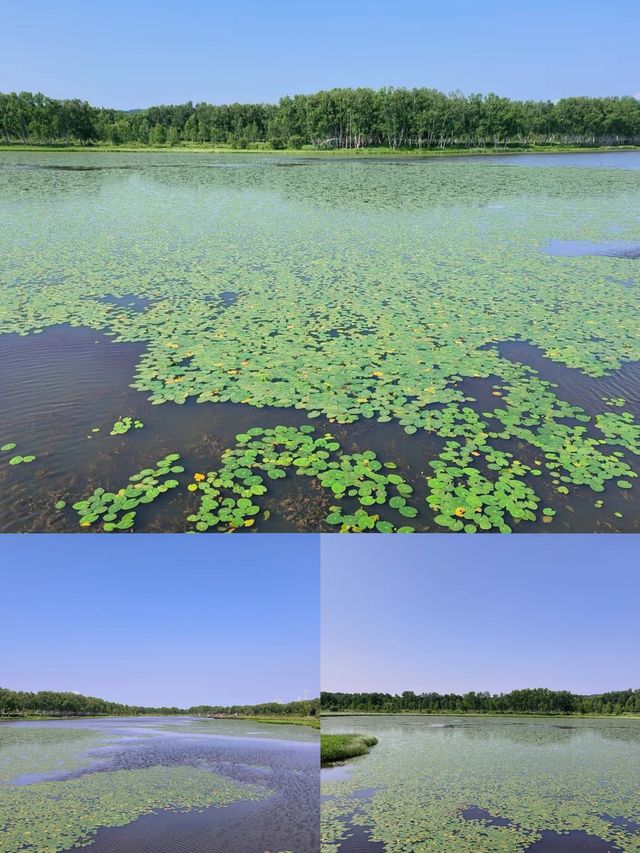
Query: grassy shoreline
(341, 747)
(311, 722)
(327, 714)
(347, 153)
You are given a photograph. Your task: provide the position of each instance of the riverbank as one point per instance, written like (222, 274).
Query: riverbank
(310, 152)
(334, 748)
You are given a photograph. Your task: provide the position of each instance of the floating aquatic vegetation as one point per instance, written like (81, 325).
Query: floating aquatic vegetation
(61, 782)
(371, 293)
(123, 425)
(521, 777)
(47, 817)
(18, 460)
(117, 510)
(229, 496)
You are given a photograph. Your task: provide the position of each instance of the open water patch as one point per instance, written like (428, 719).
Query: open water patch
(579, 248)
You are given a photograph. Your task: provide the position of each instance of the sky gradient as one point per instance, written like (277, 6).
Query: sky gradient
(497, 613)
(155, 620)
(131, 55)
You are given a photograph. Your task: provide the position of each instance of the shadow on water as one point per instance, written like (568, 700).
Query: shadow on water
(60, 385)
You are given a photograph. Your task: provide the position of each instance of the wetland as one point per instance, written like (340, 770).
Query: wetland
(218, 343)
(492, 784)
(158, 784)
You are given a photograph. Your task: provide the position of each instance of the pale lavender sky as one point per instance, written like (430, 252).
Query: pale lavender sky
(459, 613)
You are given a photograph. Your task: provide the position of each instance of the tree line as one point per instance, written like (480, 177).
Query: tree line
(534, 701)
(336, 118)
(48, 703)
(299, 708)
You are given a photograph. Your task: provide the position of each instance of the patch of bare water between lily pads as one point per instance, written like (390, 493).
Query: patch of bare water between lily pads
(579, 248)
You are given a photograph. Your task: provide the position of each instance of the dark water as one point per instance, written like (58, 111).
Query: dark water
(580, 842)
(359, 841)
(52, 416)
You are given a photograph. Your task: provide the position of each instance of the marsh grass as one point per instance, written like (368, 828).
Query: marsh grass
(312, 722)
(341, 747)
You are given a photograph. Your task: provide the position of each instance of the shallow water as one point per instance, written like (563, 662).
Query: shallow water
(471, 783)
(348, 290)
(265, 794)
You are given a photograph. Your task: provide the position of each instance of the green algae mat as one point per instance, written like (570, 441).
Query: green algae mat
(423, 317)
(465, 784)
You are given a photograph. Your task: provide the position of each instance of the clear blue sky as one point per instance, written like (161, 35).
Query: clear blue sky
(161, 619)
(133, 54)
(453, 614)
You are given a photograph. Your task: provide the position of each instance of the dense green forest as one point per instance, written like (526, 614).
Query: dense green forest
(47, 703)
(339, 118)
(536, 701)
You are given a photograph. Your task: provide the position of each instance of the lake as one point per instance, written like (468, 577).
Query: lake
(491, 784)
(161, 784)
(320, 344)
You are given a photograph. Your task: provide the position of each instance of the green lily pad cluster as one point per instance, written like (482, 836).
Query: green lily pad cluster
(123, 425)
(117, 510)
(466, 500)
(229, 496)
(16, 460)
(352, 303)
(620, 429)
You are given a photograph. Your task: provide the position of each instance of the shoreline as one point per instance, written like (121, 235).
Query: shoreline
(310, 722)
(511, 714)
(319, 153)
